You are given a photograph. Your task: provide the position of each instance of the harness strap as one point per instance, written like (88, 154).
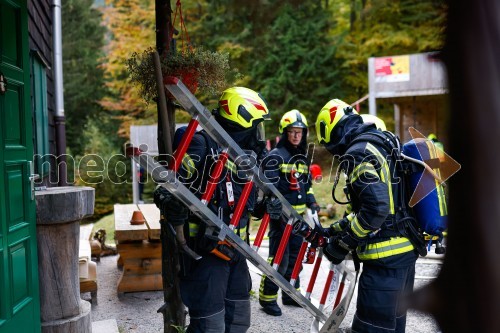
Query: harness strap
(403, 222)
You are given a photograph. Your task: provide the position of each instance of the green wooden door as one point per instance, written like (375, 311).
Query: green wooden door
(19, 297)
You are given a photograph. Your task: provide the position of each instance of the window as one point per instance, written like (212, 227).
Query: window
(41, 115)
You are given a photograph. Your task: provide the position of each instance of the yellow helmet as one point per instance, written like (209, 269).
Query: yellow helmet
(293, 118)
(432, 137)
(242, 106)
(370, 118)
(330, 117)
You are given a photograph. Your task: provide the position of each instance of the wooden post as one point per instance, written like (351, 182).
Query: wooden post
(173, 309)
(164, 45)
(59, 212)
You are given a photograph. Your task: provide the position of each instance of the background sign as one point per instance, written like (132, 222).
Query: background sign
(392, 69)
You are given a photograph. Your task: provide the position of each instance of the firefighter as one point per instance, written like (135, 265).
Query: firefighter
(434, 139)
(439, 145)
(287, 167)
(372, 119)
(216, 288)
(374, 231)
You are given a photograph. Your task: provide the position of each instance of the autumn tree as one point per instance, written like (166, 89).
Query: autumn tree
(83, 40)
(384, 27)
(283, 48)
(131, 28)
(295, 66)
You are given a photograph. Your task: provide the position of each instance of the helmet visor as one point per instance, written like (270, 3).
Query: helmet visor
(261, 132)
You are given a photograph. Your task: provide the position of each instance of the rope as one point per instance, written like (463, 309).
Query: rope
(184, 36)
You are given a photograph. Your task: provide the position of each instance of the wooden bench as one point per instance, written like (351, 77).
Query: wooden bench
(139, 248)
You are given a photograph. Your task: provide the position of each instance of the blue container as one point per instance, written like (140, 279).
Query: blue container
(431, 212)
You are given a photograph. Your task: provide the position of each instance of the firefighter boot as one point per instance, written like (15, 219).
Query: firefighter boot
(289, 301)
(271, 308)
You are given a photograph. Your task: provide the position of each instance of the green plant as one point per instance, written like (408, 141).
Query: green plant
(179, 329)
(103, 167)
(197, 68)
(107, 223)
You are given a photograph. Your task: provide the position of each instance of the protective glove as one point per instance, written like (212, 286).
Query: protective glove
(315, 236)
(273, 208)
(338, 227)
(314, 207)
(341, 245)
(170, 207)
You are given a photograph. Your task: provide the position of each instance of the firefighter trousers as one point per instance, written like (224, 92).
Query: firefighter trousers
(217, 295)
(381, 285)
(268, 291)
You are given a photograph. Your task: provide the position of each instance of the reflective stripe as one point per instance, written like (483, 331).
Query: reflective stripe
(385, 174)
(241, 232)
(267, 298)
(391, 247)
(231, 166)
(300, 208)
(310, 190)
(443, 209)
(262, 296)
(348, 209)
(188, 164)
(287, 168)
(336, 225)
(361, 169)
(193, 229)
(358, 230)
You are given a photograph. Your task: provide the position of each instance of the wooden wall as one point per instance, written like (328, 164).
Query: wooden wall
(427, 114)
(40, 42)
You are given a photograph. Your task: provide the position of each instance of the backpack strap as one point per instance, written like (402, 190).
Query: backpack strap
(385, 140)
(212, 146)
(404, 222)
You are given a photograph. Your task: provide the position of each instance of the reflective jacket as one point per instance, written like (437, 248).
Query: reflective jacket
(290, 174)
(194, 172)
(374, 194)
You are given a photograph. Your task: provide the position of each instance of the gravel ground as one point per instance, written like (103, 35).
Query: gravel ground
(137, 312)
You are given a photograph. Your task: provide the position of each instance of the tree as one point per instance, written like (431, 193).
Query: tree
(83, 39)
(384, 27)
(131, 27)
(282, 48)
(103, 166)
(295, 66)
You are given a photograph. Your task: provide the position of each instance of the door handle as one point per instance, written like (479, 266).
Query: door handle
(32, 177)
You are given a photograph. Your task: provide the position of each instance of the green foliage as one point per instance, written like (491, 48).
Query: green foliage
(297, 68)
(206, 70)
(282, 47)
(384, 28)
(103, 166)
(179, 329)
(131, 27)
(107, 223)
(83, 39)
(298, 54)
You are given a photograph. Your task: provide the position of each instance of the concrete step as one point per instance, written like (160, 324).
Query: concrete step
(105, 326)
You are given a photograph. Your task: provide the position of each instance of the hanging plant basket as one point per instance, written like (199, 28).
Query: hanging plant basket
(196, 67)
(188, 76)
(199, 69)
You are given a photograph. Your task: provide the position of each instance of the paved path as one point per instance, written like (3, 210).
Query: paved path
(136, 312)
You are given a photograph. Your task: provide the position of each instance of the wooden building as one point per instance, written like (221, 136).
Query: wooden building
(416, 86)
(43, 94)
(28, 127)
